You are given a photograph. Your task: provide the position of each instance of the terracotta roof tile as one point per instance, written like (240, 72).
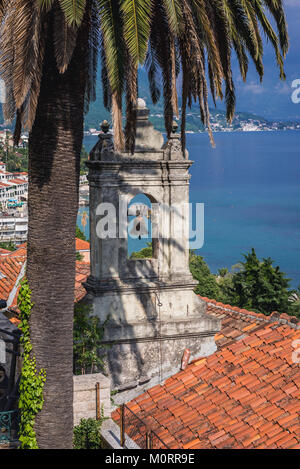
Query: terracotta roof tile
(10, 269)
(82, 245)
(245, 395)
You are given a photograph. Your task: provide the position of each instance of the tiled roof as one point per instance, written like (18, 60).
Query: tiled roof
(245, 395)
(235, 321)
(11, 264)
(20, 251)
(82, 245)
(10, 268)
(82, 273)
(4, 251)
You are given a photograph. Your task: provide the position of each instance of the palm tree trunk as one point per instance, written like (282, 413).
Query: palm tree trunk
(54, 166)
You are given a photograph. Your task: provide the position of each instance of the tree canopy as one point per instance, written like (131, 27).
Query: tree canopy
(193, 39)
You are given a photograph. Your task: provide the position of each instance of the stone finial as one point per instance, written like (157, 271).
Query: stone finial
(141, 104)
(173, 147)
(104, 126)
(147, 138)
(104, 148)
(174, 127)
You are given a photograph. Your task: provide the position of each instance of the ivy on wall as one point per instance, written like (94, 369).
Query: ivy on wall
(32, 382)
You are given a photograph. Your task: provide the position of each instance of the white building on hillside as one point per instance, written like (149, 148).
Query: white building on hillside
(13, 228)
(13, 187)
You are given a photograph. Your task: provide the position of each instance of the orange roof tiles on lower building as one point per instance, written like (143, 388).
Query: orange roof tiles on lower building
(246, 395)
(12, 270)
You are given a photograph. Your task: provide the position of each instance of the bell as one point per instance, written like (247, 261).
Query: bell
(139, 227)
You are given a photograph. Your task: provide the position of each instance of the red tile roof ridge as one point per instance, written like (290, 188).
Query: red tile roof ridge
(282, 318)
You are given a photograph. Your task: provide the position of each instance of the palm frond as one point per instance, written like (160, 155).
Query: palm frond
(112, 41)
(153, 75)
(31, 103)
(7, 55)
(173, 77)
(45, 5)
(160, 43)
(223, 32)
(64, 38)
(73, 11)
(106, 90)
(270, 33)
(174, 14)
(276, 9)
(116, 111)
(137, 15)
(131, 101)
(196, 37)
(2, 9)
(92, 53)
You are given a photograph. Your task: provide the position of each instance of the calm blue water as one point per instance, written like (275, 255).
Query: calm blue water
(250, 185)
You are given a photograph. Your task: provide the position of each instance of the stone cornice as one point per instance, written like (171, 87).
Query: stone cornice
(97, 287)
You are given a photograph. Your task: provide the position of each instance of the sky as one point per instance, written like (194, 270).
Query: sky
(272, 99)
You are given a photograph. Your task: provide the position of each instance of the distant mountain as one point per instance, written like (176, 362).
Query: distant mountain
(243, 121)
(271, 99)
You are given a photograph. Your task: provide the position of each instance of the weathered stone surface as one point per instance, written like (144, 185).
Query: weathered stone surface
(153, 312)
(85, 398)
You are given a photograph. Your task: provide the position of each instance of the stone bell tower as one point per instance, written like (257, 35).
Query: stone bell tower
(151, 310)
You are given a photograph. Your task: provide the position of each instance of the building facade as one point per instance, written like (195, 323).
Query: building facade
(149, 308)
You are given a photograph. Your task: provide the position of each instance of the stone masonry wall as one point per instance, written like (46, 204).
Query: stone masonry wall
(85, 398)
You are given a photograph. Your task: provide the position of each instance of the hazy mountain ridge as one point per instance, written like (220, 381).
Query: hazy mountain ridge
(243, 121)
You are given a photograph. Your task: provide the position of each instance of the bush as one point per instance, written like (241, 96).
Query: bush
(87, 434)
(207, 284)
(87, 344)
(260, 286)
(79, 233)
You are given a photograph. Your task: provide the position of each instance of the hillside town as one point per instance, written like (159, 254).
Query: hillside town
(13, 206)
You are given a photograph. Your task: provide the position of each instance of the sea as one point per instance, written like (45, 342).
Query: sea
(250, 187)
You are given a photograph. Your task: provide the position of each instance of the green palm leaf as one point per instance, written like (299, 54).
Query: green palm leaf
(112, 42)
(276, 9)
(45, 4)
(174, 14)
(73, 10)
(270, 33)
(137, 15)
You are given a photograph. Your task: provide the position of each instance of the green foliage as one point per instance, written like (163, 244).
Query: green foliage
(83, 158)
(79, 256)
(137, 15)
(254, 285)
(32, 382)
(207, 284)
(8, 245)
(169, 36)
(79, 234)
(145, 253)
(294, 301)
(223, 272)
(88, 335)
(73, 10)
(114, 51)
(16, 158)
(260, 286)
(87, 434)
